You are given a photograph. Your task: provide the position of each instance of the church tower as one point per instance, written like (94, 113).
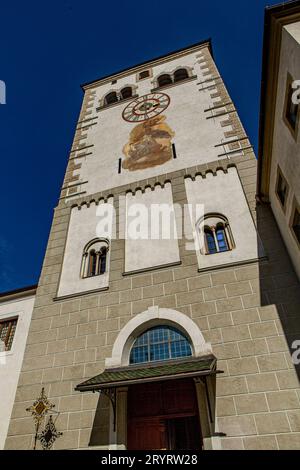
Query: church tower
(158, 289)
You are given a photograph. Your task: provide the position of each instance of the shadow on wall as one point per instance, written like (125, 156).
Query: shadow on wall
(279, 285)
(100, 429)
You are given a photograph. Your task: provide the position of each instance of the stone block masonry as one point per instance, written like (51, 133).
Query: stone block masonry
(240, 310)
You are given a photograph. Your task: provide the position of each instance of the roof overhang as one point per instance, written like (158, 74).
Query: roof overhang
(154, 372)
(18, 293)
(276, 18)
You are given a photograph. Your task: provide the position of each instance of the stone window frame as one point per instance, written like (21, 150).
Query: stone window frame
(295, 208)
(281, 176)
(104, 242)
(163, 339)
(155, 316)
(294, 132)
(217, 219)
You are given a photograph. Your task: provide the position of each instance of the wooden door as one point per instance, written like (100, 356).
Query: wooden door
(163, 416)
(147, 434)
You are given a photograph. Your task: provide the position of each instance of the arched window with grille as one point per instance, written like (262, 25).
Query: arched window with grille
(94, 259)
(164, 80)
(180, 74)
(111, 98)
(158, 344)
(217, 234)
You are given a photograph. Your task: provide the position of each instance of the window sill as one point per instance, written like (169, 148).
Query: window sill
(232, 265)
(78, 294)
(154, 268)
(6, 353)
(95, 275)
(217, 253)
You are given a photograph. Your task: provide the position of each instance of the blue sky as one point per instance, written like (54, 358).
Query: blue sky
(49, 48)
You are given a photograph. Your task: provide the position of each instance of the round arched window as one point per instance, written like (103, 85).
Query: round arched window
(161, 343)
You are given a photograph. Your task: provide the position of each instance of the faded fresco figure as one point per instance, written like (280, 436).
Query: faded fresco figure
(149, 145)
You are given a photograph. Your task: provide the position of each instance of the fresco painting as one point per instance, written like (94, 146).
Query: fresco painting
(149, 145)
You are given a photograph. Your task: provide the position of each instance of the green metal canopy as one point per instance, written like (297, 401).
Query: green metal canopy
(112, 378)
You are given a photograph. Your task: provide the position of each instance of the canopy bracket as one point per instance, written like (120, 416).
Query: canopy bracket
(112, 395)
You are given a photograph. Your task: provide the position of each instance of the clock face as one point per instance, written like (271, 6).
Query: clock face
(146, 107)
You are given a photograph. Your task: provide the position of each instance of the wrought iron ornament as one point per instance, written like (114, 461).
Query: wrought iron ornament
(39, 410)
(40, 407)
(49, 435)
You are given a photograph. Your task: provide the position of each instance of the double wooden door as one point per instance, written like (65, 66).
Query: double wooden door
(163, 416)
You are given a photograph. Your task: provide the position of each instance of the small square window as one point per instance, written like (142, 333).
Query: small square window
(296, 224)
(144, 74)
(282, 189)
(7, 333)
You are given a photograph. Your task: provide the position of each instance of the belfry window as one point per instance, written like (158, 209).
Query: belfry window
(111, 98)
(94, 260)
(217, 234)
(168, 79)
(164, 80)
(126, 93)
(161, 343)
(180, 74)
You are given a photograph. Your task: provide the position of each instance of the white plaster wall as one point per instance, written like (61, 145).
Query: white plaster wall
(224, 194)
(286, 151)
(148, 253)
(83, 227)
(195, 135)
(11, 361)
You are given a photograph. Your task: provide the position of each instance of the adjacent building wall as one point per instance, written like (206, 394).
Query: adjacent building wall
(11, 361)
(286, 148)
